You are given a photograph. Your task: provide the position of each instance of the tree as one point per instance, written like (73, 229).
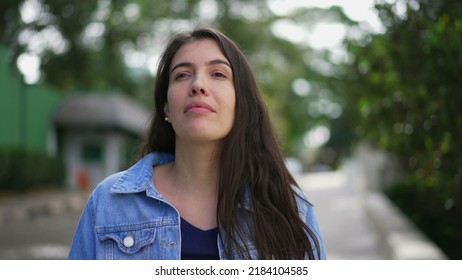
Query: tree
(403, 93)
(82, 44)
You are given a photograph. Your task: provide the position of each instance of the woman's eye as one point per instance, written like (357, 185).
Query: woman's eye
(180, 76)
(219, 75)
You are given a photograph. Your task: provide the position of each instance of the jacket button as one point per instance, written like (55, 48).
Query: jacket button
(129, 241)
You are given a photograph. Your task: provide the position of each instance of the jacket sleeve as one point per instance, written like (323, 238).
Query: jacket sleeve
(83, 244)
(313, 224)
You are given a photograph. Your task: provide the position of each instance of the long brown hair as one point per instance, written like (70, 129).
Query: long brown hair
(251, 161)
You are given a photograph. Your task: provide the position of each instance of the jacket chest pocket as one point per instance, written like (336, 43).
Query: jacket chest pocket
(129, 243)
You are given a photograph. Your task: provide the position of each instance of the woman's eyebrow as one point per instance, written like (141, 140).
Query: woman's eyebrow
(219, 61)
(181, 64)
(212, 62)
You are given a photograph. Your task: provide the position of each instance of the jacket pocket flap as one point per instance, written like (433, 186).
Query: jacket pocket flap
(129, 240)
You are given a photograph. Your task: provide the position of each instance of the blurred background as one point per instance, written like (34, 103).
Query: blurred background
(365, 96)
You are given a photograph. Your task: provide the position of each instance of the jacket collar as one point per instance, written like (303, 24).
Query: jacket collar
(138, 178)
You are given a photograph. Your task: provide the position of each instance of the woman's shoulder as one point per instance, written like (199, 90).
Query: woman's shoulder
(114, 191)
(135, 178)
(304, 204)
(299, 193)
(105, 186)
(110, 180)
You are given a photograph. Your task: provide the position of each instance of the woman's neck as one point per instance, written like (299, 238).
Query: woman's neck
(195, 169)
(190, 184)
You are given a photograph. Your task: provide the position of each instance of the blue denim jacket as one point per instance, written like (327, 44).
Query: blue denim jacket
(127, 218)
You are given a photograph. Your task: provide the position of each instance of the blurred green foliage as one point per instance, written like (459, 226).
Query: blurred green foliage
(431, 211)
(403, 92)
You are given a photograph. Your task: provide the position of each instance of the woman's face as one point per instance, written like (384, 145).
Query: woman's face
(201, 98)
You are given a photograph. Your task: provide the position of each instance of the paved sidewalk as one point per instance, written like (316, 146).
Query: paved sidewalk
(347, 232)
(359, 224)
(35, 206)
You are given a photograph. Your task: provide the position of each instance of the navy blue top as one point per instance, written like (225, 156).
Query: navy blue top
(197, 244)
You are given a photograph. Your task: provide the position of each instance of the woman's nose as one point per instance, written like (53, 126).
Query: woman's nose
(195, 90)
(198, 87)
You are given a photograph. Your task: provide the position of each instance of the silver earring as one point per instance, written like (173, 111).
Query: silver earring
(166, 119)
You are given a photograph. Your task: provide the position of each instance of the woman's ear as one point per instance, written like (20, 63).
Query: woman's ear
(166, 112)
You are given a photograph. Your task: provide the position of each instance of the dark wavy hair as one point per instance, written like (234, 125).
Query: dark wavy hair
(250, 161)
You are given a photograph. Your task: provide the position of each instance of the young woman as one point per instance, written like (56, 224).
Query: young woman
(212, 182)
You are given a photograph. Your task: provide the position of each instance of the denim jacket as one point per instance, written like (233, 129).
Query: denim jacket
(127, 218)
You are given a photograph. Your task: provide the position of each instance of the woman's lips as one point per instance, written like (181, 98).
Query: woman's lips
(198, 107)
